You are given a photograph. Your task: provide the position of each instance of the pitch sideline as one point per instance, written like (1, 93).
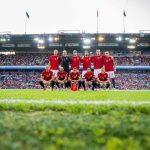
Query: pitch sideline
(72, 102)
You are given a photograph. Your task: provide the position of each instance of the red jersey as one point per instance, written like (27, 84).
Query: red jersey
(103, 76)
(75, 62)
(86, 62)
(47, 75)
(54, 62)
(74, 76)
(97, 61)
(89, 76)
(61, 75)
(109, 63)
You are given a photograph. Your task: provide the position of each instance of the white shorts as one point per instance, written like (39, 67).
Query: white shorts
(83, 73)
(55, 73)
(96, 72)
(111, 74)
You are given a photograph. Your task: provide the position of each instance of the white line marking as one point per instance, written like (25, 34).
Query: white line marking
(67, 91)
(72, 102)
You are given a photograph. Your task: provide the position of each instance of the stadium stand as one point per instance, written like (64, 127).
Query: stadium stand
(24, 59)
(42, 59)
(19, 79)
(22, 69)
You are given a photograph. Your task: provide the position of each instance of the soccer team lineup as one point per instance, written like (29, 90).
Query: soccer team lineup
(64, 72)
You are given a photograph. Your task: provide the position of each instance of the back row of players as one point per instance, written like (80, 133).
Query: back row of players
(63, 70)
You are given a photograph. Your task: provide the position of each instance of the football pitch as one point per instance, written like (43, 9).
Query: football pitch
(90, 120)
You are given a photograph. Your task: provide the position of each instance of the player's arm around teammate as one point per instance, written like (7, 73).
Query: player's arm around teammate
(110, 67)
(54, 62)
(97, 61)
(75, 60)
(86, 62)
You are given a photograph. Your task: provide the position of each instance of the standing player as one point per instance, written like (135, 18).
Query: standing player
(61, 79)
(54, 61)
(74, 77)
(47, 78)
(75, 60)
(86, 60)
(65, 61)
(97, 62)
(88, 79)
(110, 67)
(103, 80)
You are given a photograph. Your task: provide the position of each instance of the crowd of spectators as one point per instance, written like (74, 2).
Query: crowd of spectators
(32, 59)
(139, 60)
(26, 59)
(132, 80)
(19, 79)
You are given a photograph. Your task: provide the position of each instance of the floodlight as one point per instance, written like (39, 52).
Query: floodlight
(100, 38)
(119, 38)
(132, 41)
(3, 40)
(56, 38)
(50, 39)
(40, 41)
(36, 39)
(86, 41)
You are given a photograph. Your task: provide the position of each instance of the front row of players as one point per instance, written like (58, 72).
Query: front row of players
(64, 81)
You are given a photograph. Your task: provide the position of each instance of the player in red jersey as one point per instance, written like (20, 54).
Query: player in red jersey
(103, 79)
(110, 67)
(75, 60)
(88, 79)
(54, 61)
(74, 77)
(47, 78)
(97, 61)
(86, 61)
(61, 79)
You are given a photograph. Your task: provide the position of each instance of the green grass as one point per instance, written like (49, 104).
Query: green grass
(49, 130)
(69, 95)
(74, 127)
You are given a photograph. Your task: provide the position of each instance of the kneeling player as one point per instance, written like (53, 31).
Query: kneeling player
(88, 79)
(61, 80)
(47, 78)
(103, 79)
(74, 77)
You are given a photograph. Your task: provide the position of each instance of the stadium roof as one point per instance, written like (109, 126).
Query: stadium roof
(74, 41)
